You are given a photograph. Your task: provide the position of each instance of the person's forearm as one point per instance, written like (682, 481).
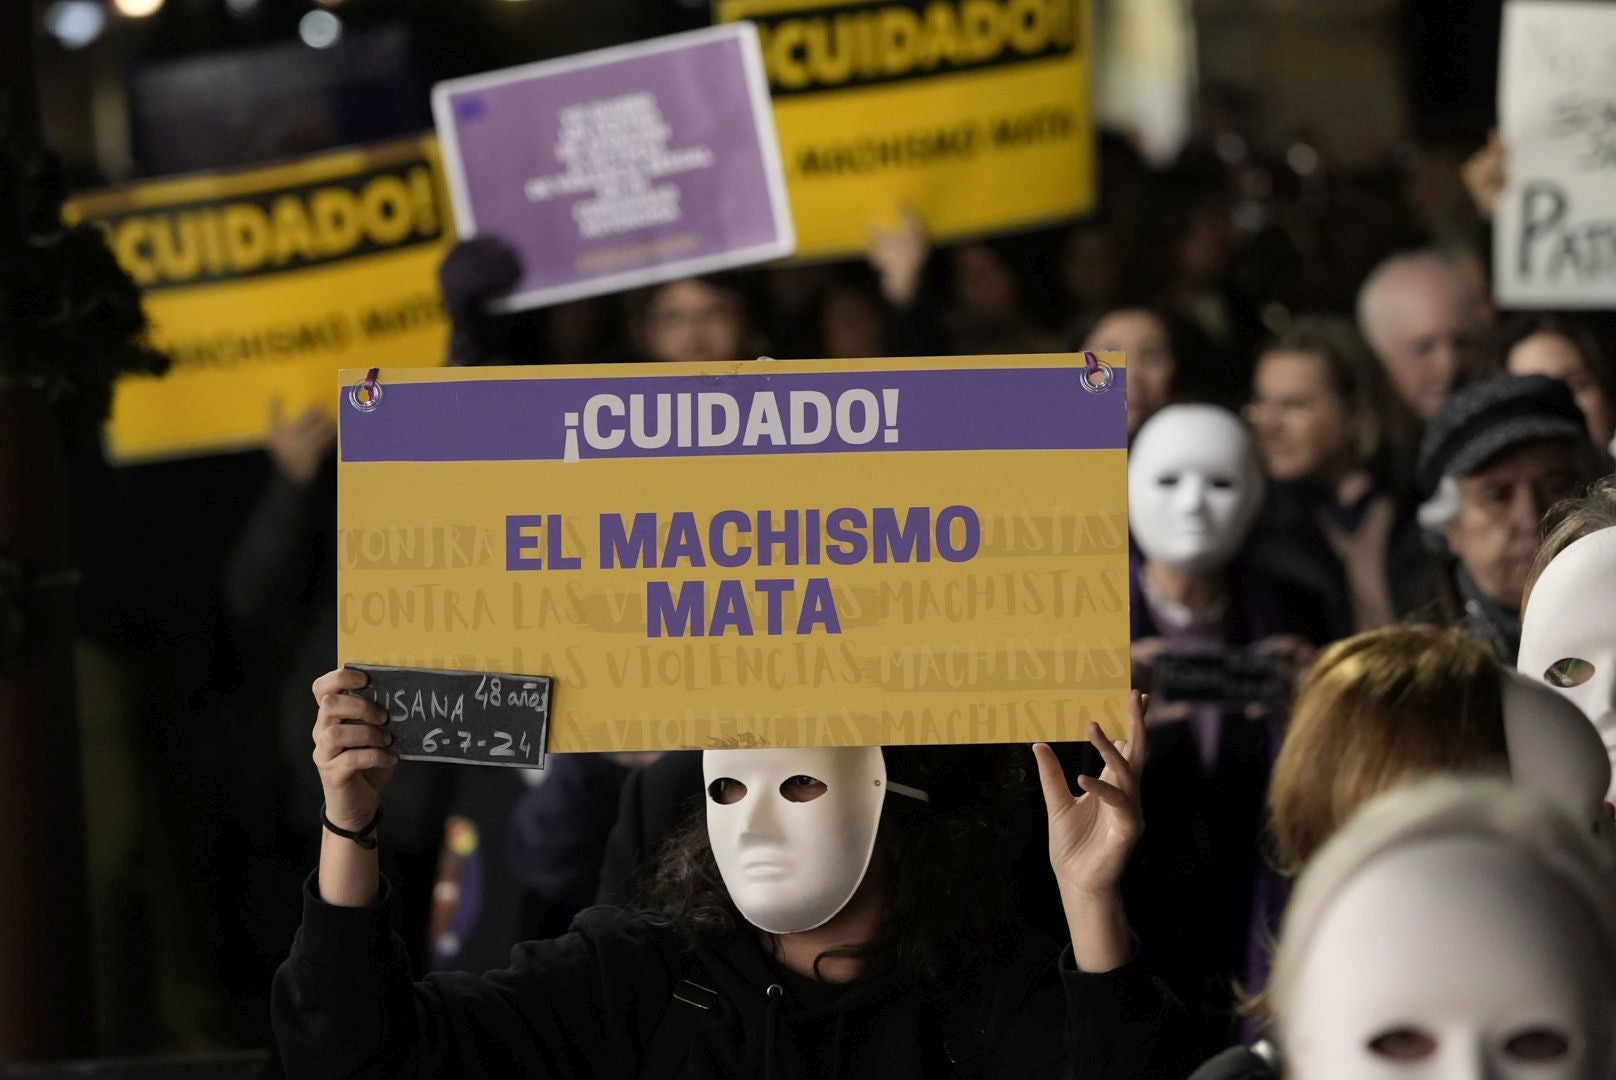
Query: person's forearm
(1101, 940)
(350, 876)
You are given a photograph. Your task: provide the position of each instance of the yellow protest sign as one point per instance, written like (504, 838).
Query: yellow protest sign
(976, 112)
(786, 553)
(263, 283)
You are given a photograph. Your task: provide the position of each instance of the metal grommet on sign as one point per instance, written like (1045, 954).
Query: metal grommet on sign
(1098, 376)
(368, 394)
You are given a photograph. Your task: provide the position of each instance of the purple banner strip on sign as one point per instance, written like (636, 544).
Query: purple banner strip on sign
(708, 416)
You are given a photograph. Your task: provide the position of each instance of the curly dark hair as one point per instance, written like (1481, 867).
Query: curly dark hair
(948, 863)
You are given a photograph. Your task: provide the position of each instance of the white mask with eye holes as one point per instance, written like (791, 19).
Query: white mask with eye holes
(1194, 487)
(1453, 958)
(1554, 750)
(793, 830)
(1568, 634)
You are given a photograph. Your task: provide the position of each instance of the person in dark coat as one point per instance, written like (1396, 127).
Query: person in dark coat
(1496, 457)
(1334, 521)
(916, 974)
(1194, 489)
(690, 319)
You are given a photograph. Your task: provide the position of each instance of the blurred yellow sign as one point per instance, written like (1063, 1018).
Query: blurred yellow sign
(263, 283)
(976, 112)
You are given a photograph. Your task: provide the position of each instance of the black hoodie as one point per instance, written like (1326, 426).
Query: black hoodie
(588, 1004)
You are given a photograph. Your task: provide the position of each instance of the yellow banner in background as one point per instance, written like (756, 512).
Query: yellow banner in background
(263, 283)
(786, 553)
(976, 112)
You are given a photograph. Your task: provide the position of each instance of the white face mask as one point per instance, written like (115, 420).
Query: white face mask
(1451, 959)
(1194, 487)
(793, 830)
(1568, 636)
(1554, 750)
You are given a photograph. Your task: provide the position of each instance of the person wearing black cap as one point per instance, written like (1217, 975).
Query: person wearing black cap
(1496, 456)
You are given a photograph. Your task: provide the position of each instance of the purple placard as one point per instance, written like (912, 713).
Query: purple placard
(620, 167)
(1043, 408)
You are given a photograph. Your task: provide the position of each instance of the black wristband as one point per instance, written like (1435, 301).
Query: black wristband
(365, 838)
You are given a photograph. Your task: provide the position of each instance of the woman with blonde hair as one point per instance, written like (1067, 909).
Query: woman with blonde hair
(1376, 709)
(1337, 520)
(1391, 706)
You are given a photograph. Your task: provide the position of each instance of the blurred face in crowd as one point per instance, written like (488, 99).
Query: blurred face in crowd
(793, 289)
(851, 325)
(1304, 430)
(1140, 335)
(1455, 958)
(1203, 254)
(983, 283)
(1500, 508)
(1424, 329)
(1558, 357)
(572, 328)
(1088, 269)
(1193, 487)
(693, 321)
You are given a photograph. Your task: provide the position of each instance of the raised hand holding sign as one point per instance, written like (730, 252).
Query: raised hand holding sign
(465, 716)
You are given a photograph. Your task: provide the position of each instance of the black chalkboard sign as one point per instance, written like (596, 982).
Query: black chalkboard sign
(1231, 677)
(473, 717)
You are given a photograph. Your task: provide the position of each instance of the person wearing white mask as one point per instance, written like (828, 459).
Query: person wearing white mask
(1388, 707)
(1455, 930)
(821, 918)
(1194, 489)
(791, 858)
(1568, 626)
(1391, 708)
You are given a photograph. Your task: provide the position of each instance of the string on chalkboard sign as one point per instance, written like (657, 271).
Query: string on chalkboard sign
(368, 394)
(1096, 366)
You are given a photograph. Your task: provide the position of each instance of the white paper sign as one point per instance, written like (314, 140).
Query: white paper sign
(1555, 238)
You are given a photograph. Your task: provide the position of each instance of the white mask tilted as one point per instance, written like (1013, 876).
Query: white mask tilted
(793, 830)
(1568, 634)
(1555, 751)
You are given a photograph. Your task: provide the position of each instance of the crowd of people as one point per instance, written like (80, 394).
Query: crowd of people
(1348, 471)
